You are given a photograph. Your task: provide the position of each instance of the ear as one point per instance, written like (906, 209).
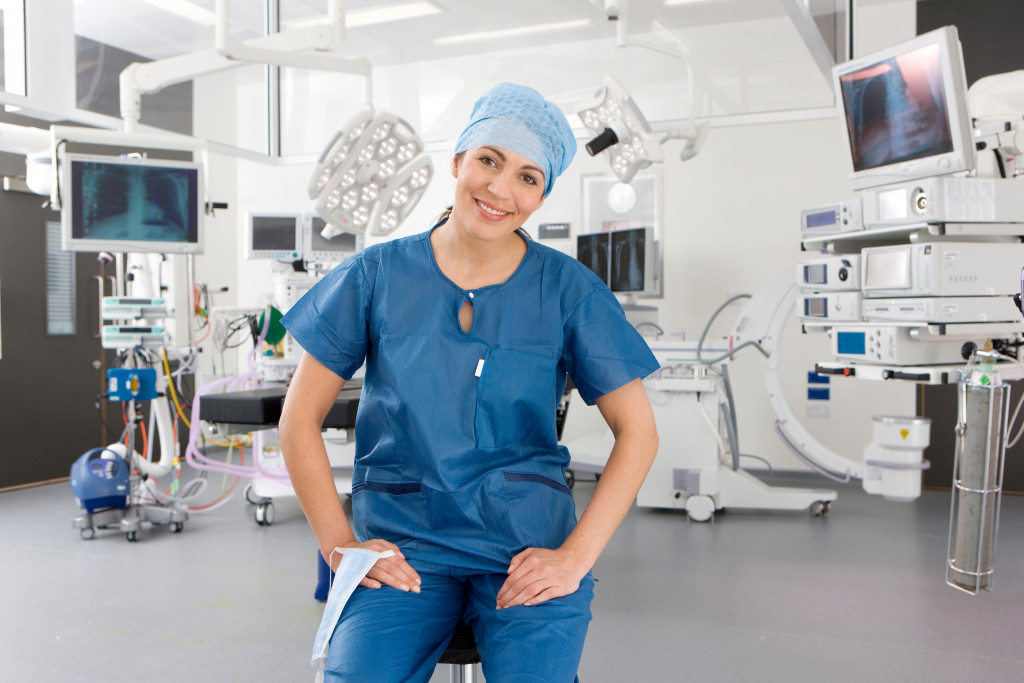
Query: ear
(455, 165)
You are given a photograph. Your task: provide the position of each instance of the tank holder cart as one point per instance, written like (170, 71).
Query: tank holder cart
(977, 480)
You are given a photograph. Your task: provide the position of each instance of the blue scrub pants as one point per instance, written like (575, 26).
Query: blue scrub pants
(389, 636)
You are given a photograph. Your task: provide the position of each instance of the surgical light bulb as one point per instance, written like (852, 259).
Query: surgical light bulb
(365, 154)
(387, 148)
(348, 179)
(361, 215)
(420, 178)
(370, 192)
(349, 201)
(401, 196)
(387, 169)
(407, 152)
(381, 132)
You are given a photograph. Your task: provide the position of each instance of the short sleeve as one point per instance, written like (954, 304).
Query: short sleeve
(330, 321)
(603, 351)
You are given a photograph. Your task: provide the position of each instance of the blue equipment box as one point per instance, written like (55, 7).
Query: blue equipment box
(128, 384)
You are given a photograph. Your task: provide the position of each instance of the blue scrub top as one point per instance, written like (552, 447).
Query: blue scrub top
(457, 457)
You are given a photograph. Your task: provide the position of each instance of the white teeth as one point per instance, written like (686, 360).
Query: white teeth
(492, 211)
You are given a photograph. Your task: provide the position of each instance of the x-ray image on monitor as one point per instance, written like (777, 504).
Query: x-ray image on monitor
(124, 202)
(897, 110)
(629, 255)
(594, 251)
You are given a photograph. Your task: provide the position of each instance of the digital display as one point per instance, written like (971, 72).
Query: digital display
(896, 110)
(851, 343)
(816, 307)
(887, 269)
(628, 260)
(274, 233)
(816, 274)
(133, 202)
(817, 220)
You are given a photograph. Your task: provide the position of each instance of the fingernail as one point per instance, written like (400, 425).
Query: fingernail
(404, 587)
(528, 604)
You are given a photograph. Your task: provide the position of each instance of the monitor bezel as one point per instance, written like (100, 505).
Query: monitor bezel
(95, 245)
(962, 156)
(254, 254)
(312, 255)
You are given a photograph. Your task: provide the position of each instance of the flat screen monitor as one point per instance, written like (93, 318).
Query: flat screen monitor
(274, 236)
(633, 261)
(905, 111)
(320, 249)
(594, 251)
(131, 205)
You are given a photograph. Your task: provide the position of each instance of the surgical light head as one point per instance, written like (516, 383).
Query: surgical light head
(621, 130)
(370, 175)
(519, 119)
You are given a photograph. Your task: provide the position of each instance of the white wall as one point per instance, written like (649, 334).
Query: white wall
(730, 222)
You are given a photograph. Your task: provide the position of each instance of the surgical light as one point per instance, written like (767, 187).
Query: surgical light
(620, 129)
(370, 176)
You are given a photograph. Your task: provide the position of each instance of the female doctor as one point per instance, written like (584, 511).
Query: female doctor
(467, 332)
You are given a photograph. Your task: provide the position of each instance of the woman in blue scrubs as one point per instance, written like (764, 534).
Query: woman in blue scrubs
(468, 332)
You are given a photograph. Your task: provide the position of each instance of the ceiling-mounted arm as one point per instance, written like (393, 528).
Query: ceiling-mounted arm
(281, 49)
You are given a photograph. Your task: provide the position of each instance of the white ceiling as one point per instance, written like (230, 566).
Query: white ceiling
(147, 30)
(747, 55)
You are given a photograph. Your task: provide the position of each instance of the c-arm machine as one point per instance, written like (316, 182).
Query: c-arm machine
(697, 467)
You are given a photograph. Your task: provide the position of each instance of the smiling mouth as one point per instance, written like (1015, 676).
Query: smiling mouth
(489, 210)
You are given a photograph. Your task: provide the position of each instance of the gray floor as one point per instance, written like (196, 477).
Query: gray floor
(857, 596)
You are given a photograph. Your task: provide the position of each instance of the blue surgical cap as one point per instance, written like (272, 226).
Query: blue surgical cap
(520, 120)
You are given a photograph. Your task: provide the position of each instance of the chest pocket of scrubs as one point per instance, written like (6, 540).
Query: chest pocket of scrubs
(515, 399)
(392, 511)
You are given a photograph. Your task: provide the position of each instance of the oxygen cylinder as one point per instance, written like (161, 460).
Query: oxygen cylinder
(977, 478)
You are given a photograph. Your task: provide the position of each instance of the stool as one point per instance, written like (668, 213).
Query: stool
(461, 655)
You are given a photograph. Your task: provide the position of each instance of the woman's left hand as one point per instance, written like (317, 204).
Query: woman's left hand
(538, 574)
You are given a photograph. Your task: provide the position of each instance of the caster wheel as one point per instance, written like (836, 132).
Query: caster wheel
(132, 536)
(820, 508)
(88, 533)
(265, 514)
(176, 527)
(700, 508)
(570, 478)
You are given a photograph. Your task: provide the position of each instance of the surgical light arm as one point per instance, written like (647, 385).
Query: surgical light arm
(282, 49)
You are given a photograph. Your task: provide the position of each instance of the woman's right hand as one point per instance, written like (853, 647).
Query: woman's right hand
(393, 571)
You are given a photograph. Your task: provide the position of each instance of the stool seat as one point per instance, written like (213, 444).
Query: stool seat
(461, 655)
(461, 648)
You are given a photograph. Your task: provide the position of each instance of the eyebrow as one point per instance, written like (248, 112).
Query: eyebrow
(501, 154)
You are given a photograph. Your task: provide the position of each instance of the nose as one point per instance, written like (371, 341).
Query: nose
(500, 184)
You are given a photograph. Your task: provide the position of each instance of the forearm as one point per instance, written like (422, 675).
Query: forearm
(310, 471)
(624, 473)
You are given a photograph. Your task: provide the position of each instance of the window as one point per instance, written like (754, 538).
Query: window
(60, 284)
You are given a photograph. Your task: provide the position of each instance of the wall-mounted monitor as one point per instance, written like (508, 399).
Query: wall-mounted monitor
(274, 236)
(904, 111)
(131, 205)
(594, 251)
(320, 249)
(633, 261)
(625, 260)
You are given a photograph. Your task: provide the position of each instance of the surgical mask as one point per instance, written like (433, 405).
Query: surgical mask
(355, 564)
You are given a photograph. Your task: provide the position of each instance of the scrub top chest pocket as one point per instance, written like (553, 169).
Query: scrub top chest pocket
(516, 399)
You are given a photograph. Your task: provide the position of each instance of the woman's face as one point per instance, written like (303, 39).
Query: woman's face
(496, 191)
